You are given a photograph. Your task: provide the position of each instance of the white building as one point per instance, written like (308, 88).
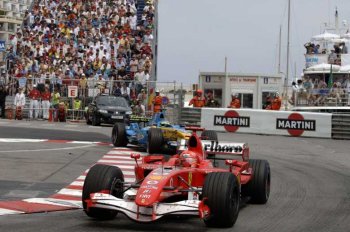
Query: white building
(11, 17)
(252, 89)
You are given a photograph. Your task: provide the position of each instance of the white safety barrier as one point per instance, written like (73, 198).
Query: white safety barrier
(268, 122)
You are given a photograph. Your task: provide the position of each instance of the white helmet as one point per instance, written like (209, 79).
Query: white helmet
(157, 91)
(277, 94)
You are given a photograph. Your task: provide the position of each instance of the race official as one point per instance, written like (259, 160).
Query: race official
(235, 102)
(276, 102)
(211, 102)
(45, 102)
(157, 102)
(198, 100)
(34, 97)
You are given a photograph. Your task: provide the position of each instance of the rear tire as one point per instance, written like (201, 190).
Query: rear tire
(209, 135)
(223, 196)
(101, 177)
(119, 138)
(155, 140)
(258, 188)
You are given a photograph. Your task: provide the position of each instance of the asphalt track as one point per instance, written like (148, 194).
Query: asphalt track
(310, 189)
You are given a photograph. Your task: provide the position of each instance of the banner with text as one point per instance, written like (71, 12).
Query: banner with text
(268, 122)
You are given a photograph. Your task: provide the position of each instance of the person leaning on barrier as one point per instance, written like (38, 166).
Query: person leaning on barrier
(235, 102)
(211, 102)
(276, 102)
(198, 100)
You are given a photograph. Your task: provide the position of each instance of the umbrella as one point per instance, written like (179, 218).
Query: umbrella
(325, 36)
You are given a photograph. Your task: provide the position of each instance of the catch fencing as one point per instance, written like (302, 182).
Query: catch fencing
(77, 94)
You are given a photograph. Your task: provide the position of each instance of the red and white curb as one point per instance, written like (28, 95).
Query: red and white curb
(10, 140)
(70, 196)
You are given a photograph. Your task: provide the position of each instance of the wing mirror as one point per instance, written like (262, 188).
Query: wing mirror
(135, 156)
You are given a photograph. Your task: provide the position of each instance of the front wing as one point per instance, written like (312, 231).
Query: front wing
(143, 214)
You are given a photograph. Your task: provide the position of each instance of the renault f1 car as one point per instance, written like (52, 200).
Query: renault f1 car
(153, 134)
(186, 184)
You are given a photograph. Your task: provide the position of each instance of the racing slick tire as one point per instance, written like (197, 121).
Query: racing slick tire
(209, 135)
(258, 188)
(221, 193)
(95, 120)
(102, 177)
(119, 138)
(155, 140)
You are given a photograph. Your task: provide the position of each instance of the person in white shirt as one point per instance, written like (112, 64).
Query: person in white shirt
(125, 91)
(20, 98)
(20, 101)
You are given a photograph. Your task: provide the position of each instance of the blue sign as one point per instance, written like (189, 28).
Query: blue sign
(22, 82)
(2, 46)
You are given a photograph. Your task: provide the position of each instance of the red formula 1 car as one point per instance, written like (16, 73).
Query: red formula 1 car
(186, 184)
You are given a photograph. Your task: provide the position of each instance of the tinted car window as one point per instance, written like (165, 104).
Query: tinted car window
(112, 101)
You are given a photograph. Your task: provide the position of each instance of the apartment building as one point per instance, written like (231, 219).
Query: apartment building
(11, 17)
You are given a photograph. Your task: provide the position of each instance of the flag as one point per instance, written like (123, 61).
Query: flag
(330, 79)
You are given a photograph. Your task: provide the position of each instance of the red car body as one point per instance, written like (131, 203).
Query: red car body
(177, 186)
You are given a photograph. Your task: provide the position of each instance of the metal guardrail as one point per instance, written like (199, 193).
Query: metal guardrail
(341, 126)
(190, 116)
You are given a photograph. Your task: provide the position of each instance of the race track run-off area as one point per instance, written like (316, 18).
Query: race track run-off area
(70, 196)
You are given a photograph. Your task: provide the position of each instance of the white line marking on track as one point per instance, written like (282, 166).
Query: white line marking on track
(8, 211)
(6, 140)
(71, 192)
(117, 157)
(50, 149)
(77, 183)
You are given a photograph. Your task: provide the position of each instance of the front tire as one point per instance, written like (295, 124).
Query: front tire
(222, 193)
(95, 120)
(119, 138)
(155, 140)
(102, 177)
(258, 188)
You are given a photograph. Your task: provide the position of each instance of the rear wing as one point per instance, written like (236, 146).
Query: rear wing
(225, 150)
(221, 150)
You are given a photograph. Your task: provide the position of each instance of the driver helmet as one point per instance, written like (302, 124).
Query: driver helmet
(277, 94)
(165, 123)
(235, 95)
(199, 91)
(189, 158)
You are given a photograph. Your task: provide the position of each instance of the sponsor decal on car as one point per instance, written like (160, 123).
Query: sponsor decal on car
(215, 146)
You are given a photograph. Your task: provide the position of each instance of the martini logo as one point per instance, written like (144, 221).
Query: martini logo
(295, 124)
(231, 121)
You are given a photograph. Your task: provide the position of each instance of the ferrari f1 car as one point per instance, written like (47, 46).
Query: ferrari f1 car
(152, 134)
(186, 184)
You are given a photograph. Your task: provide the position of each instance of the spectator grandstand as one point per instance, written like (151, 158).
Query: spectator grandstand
(103, 45)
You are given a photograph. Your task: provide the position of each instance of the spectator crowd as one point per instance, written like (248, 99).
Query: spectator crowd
(92, 44)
